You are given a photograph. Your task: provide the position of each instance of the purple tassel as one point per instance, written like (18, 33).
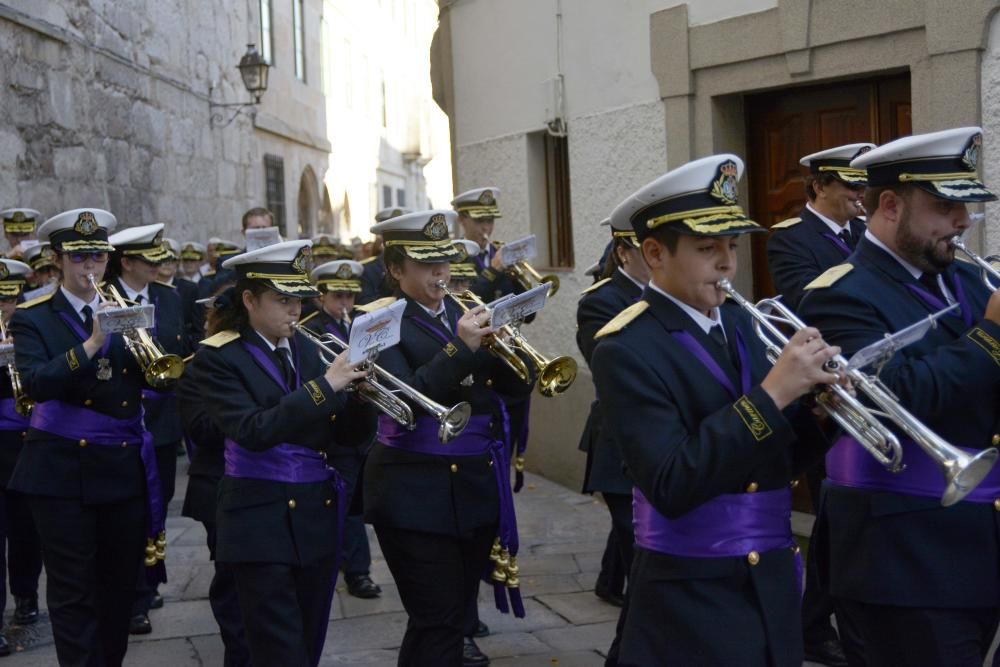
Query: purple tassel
(515, 602)
(500, 597)
(518, 481)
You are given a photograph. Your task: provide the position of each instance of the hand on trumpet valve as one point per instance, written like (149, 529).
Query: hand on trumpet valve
(340, 374)
(497, 262)
(473, 326)
(800, 367)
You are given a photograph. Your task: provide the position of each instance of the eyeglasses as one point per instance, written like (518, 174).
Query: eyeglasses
(81, 257)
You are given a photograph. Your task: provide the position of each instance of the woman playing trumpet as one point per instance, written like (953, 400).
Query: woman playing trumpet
(437, 508)
(282, 413)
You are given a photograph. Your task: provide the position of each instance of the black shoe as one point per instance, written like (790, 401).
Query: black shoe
(614, 599)
(4, 646)
(140, 625)
(25, 610)
(482, 630)
(362, 586)
(156, 602)
(829, 653)
(472, 656)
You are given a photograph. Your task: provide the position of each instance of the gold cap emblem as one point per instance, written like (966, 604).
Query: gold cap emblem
(436, 228)
(86, 224)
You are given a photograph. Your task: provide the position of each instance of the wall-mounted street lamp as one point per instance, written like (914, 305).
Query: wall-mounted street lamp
(253, 69)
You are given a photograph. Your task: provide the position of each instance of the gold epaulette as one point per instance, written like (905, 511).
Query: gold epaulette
(830, 276)
(221, 338)
(160, 282)
(376, 304)
(594, 286)
(36, 301)
(622, 319)
(785, 224)
(368, 260)
(308, 317)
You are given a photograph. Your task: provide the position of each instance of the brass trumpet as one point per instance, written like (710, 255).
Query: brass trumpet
(22, 404)
(528, 277)
(374, 390)
(962, 472)
(161, 370)
(987, 266)
(554, 376)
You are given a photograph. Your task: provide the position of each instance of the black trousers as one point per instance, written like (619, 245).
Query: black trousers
(166, 468)
(620, 508)
(285, 610)
(437, 577)
(90, 554)
(357, 556)
(21, 559)
(225, 603)
(917, 637)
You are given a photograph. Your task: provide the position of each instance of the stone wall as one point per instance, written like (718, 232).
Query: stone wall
(105, 104)
(990, 162)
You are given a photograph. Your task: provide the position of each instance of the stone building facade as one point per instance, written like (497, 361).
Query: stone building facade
(639, 86)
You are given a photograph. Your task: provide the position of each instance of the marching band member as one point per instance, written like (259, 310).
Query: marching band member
(88, 465)
(827, 229)
(206, 446)
(281, 411)
(710, 434)
(18, 225)
(800, 249)
(436, 508)
(625, 276)
(133, 270)
(893, 550)
(463, 270)
(477, 213)
(42, 260)
(192, 258)
(373, 284)
(339, 284)
(21, 556)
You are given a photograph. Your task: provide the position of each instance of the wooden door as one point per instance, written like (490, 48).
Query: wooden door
(783, 126)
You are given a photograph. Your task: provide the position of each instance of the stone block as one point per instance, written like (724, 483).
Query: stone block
(227, 179)
(72, 162)
(580, 608)
(570, 659)
(64, 100)
(364, 633)
(594, 637)
(179, 619)
(388, 602)
(537, 617)
(510, 644)
(177, 652)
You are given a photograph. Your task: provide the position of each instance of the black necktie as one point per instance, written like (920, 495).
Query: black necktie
(930, 281)
(286, 365)
(845, 234)
(719, 336)
(139, 299)
(88, 319)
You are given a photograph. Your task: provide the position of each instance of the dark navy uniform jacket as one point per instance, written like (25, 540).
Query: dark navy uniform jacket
(421, 492)
(373, 281)
(11, 441)
(261, 520)
(171, 332)
(194, 313)
(602, 302)
(798, 252)
(53, 366)
(890, 548)
(207, 453)
(685, 441)
(490, 285)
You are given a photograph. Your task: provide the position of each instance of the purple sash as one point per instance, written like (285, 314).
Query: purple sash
(74, 324)
(151, 395)
(434, 331)
(726, 526)
(937, 304)
(476, 439)
(335, 330)
(268, 366)
(9, 419)
(691, 344)
(73, 422)
(292, 464)
(848, 464)
(839, 242)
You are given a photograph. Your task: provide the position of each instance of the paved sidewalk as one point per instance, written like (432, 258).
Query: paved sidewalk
(562, 537)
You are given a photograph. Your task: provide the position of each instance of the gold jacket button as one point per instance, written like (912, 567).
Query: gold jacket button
(124, 404)
(752, 487)
(454, 467)
(83, 443)
(794, 484)
(333, 418)
(753, 558)
(996, 440)
(996, 504)
(291, 504)
(24, 433)
(328, 502)
(489, 383)
(88, 402)
(124, 444)
(124, 371)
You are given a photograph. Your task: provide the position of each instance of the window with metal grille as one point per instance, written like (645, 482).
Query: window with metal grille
(386, 196)
(557, 202)
(274, 185)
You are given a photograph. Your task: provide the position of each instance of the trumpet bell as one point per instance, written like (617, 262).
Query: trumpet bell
(964, 473)
(557, 376)
(453, 421)
(164, 371)
(553, 283)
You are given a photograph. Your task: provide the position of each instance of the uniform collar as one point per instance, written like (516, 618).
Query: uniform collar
(834, 227)
(131, 294)
(77, 303)
(282, 342)
(912, 270)
(631, 279)
(704, 323)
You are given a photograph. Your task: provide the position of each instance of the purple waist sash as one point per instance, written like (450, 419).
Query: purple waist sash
(74, 422)
(476, 439)
(9, 419)
(292, 464)
(727, 525)
(150, 395)
(849, 464)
